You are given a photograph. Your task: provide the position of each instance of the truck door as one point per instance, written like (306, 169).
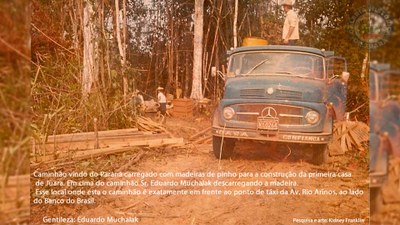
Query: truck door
(337, 85)
(389, 108)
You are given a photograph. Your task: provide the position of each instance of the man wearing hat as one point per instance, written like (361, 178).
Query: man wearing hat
(139, 102)
(290, 33)
(162, 100)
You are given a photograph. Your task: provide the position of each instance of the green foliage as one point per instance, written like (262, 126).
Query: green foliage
(58, 104)
(14, 90)
(326, 26)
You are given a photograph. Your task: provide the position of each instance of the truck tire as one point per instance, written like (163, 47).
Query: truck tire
(375, 200)
(227, 147)
(320, 154)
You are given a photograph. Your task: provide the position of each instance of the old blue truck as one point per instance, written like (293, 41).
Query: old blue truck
(384, 126)
(280, 93)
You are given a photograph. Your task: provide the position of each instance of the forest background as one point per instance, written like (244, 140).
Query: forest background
(64, 63)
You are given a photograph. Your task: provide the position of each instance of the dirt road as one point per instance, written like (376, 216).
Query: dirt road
(273, 207)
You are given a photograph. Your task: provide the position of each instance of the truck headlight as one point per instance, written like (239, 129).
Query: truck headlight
(312, 117)
(228, 113)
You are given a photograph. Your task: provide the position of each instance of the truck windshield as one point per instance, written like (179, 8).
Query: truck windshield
(276, 63)
(384, 84)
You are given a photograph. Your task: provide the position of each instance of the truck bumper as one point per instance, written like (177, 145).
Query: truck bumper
(278, 136)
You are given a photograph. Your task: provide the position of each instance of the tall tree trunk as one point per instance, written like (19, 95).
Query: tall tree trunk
(198, 51)
(102, 48)
(121, 43)
(118, 31)
(124, 28)
(177, 72)
(75, 23)
(90, 59)
(235, 24)
(170, 45)
(187, 75)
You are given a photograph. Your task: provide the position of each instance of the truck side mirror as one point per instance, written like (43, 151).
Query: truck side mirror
(390, 98)
(213, 71)
(345, 76)
(334, 76)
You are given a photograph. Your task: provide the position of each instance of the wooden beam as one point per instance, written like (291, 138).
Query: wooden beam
(202, 140)
(91, 135)
(79, 155)
(200, 133)
(103, 143)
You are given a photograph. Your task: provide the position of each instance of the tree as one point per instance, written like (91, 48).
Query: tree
(122, 42)
(90, 48)
(235, 24)
(198, 51)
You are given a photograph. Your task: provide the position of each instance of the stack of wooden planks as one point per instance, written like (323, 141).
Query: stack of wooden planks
(183, 107)
(91, 144)
(147, 124)
(348, 135)
(14, 199)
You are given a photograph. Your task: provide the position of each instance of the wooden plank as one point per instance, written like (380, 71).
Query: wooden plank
(103, 143)
(134, 160)
(182, 110)
(200, 133)
(79, 155)
(179, 114)
(202, 140)
(110, 149)
(182, 102)
(149, 125)
(360, 133)
(190, 106)
(349, 143)
(120, 137)
(91, 135)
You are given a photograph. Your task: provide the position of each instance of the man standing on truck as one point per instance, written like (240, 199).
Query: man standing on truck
(290, 33)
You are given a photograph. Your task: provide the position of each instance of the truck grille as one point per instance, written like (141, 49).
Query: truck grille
(278, 94)
(288, 115)
(252, 93)
(289, 94)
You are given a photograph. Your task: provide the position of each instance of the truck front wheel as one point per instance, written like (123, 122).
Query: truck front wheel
(320, 154)
(376, 200)
(226, 150)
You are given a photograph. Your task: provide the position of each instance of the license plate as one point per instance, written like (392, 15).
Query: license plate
(267, 123)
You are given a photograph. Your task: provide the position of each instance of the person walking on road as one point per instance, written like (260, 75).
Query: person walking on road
(290, 33)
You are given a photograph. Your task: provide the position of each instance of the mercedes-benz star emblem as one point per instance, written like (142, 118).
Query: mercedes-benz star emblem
(269, 112)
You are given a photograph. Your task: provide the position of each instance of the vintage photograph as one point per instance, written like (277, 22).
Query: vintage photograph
(200, 112)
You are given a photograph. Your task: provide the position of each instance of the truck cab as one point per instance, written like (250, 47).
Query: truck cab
(286, 94)
(384, 126)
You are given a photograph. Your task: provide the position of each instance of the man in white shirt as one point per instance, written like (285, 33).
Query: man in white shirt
(290, 33)
(162, 100)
